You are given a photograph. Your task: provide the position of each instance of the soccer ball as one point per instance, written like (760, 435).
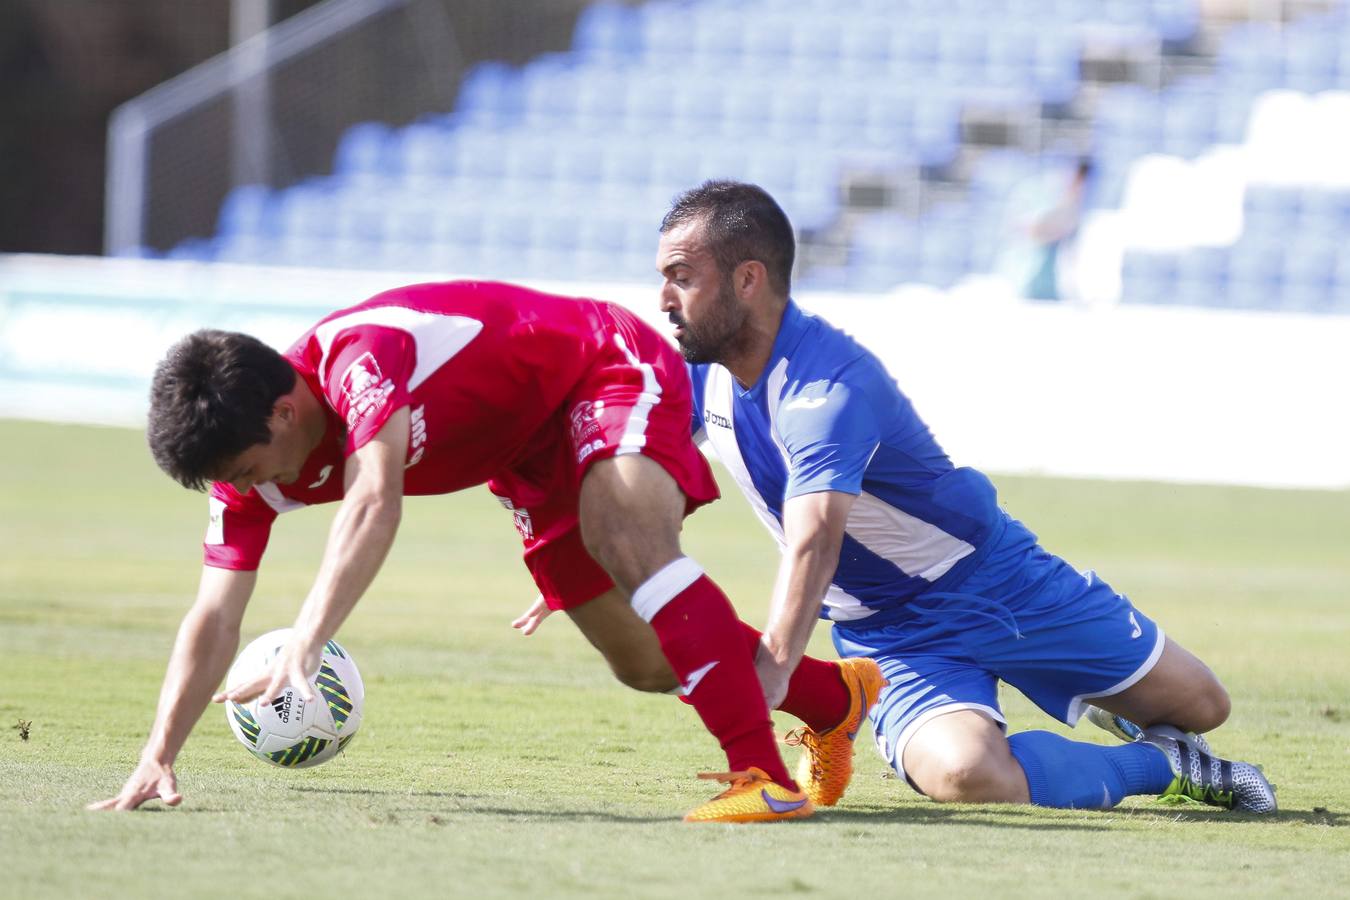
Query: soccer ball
(285, 730)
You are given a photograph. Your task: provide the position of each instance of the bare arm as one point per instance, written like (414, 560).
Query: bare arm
(201, 655)
(813, 525)
(362, 533)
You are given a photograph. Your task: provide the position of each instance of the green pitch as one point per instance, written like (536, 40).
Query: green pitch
(495, 765)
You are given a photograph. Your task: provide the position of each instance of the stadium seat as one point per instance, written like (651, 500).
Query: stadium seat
(490, 96)
(362, 148)
(607, 31)
(246, 210)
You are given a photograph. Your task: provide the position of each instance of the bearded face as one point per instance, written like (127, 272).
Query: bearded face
(705, 331)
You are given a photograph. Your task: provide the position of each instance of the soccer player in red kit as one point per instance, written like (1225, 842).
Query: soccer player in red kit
(575, 414)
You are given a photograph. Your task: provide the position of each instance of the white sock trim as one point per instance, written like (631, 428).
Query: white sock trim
(654, 593)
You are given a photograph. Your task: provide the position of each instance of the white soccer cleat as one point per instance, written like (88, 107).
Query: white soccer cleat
(1204, 777)
(1125, 730)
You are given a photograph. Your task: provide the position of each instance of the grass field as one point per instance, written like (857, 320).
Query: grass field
(495, 765)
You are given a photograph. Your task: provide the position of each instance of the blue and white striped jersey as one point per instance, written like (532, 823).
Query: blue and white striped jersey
(826, 416)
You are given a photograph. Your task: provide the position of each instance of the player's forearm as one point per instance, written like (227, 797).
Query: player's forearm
(803, 578)
(202, 652)
(358, 543)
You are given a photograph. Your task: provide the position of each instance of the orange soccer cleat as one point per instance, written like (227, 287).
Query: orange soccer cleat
(752, 797)
(826, 765)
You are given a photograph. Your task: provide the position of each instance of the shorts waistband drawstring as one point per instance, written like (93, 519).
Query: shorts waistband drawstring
(1001, 614)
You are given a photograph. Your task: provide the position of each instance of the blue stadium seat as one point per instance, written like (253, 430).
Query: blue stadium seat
(307, 211)
(549, 92)
(695, 103)
(479, 155)
(1251, 58)
(423, 152)
(1188, 121)
(193, 250)
(1202, 276)
(715, 40)
(247, 210)
(362, 150)
(359, 217)
(1312, 55)
(607, 31)
(529, 158)
(1148, 277)
(580, 160)
(249, 249)
(1254, 272)
(865, 45)
(490, 96)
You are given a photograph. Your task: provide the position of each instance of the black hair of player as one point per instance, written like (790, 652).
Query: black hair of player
(210, 400)
(742, 223)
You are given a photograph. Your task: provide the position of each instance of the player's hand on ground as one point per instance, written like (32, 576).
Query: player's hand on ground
(150, 781)
(773, 677)
(295, 665)
(531, 619)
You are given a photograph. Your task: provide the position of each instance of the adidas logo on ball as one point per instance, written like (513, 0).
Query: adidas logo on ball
(282, 707)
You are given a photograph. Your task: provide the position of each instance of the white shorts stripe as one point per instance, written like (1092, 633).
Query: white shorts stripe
(1078, 704)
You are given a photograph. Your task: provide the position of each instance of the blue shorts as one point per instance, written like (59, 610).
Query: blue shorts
(1024, 616)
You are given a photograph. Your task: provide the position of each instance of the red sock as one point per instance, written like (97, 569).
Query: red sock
(816, 692)
(699, 635)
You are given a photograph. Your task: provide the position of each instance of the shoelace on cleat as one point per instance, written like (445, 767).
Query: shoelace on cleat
(737, 780)
(805, 737)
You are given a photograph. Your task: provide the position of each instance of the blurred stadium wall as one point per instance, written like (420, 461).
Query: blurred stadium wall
(1139, 392)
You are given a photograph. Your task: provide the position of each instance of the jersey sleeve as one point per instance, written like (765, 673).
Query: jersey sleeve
(366, 380)
(829, 432)
(238, 529)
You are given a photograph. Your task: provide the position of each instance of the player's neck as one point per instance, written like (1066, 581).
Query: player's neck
(313, 421)
(750, 353)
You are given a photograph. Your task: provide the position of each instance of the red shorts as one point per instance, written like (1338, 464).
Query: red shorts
(635, 398)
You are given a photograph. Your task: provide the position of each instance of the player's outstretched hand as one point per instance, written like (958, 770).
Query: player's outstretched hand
(151, 781)
(531, 619)
(295, 664)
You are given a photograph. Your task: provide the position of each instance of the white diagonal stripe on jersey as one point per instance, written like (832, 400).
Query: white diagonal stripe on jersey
(275, 499)
(914, 546)
(717, 398)
(438, 337)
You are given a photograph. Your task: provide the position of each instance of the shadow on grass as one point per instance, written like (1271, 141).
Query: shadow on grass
(997, 816)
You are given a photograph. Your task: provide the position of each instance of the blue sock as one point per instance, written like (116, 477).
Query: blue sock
(1073, 775)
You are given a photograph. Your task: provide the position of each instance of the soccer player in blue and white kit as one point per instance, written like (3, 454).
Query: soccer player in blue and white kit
(912, 558)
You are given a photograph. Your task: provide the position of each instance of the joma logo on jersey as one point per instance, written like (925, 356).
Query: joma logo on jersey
(713, 418)
(365, 386)
(417, 436)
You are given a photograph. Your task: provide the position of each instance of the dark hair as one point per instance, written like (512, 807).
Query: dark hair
(210, 400)
(743, 222)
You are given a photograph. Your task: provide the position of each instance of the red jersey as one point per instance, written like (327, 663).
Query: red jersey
(483, 366)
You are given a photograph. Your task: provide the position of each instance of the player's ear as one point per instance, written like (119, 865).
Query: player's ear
(283, 411)
(745, 280)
